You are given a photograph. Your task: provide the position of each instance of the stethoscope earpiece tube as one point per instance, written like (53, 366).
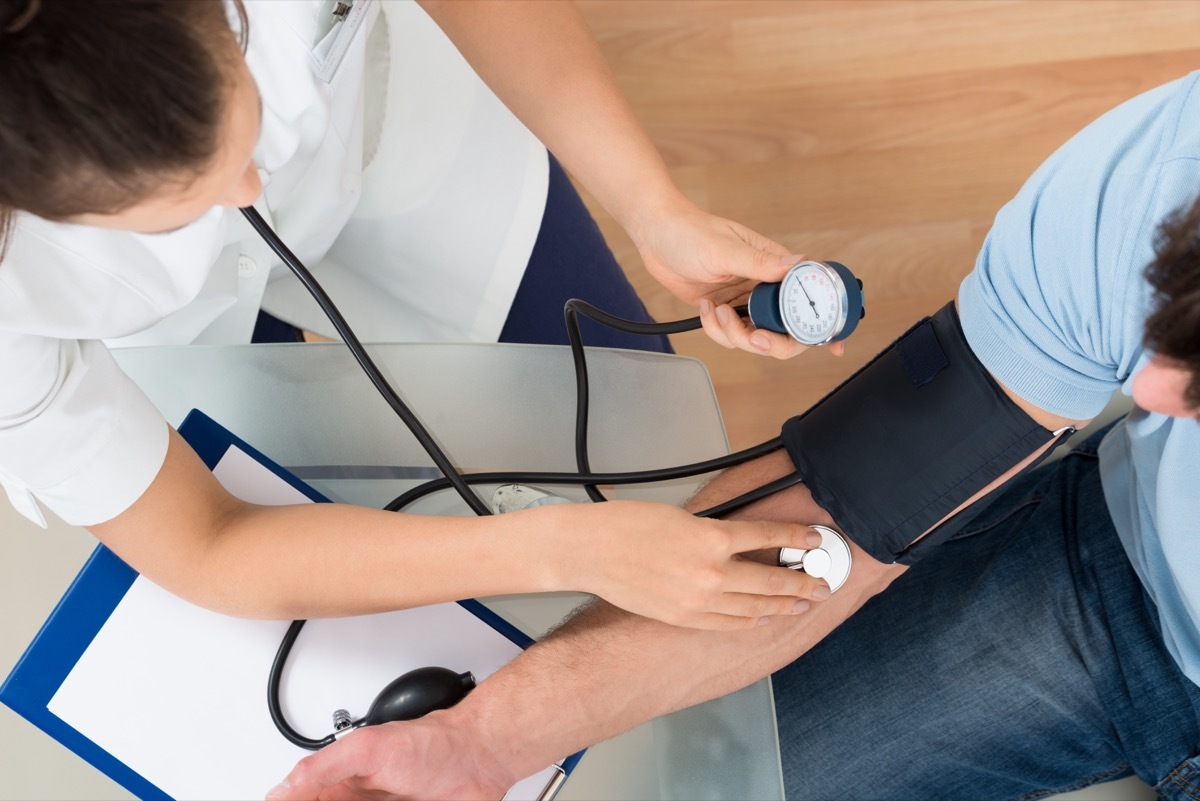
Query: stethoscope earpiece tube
(368, 365)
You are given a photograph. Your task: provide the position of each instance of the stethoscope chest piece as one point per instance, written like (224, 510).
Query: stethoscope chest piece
(830, 561)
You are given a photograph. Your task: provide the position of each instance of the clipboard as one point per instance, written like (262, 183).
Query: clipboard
(169, 700)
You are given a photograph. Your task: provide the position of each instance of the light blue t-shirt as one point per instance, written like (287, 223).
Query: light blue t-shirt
(1055, 308)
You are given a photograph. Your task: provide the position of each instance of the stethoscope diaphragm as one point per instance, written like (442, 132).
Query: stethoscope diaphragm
(830, 561)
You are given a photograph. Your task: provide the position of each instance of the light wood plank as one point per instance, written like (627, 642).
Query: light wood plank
(883, 134)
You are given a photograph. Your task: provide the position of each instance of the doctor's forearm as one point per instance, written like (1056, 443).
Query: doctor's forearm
(332, 560)
(325, 560)
(314, 560)
(542, 61)
(187, 534)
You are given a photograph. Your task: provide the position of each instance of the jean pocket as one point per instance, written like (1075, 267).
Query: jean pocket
(1182, 783)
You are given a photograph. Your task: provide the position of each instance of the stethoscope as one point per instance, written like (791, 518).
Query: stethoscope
(816, 303)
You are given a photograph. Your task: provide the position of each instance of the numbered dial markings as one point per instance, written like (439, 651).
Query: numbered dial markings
(813, 303)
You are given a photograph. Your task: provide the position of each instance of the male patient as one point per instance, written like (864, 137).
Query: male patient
(1051, 642)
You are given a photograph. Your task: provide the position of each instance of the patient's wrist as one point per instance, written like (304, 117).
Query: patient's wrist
(499, 745)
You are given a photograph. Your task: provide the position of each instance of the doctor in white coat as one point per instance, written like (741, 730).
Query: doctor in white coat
(130, 132)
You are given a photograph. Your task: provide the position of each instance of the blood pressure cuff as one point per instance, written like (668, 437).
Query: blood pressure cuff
(908, 438)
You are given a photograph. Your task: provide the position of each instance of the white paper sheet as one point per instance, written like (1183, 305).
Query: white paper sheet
(178, 693)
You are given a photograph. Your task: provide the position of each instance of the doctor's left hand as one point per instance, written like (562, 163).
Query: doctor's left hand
(713, 263)
(424, 759)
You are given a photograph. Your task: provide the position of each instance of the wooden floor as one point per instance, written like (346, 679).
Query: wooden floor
(882, 134)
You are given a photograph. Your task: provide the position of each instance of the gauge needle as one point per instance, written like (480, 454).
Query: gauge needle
(810, 301)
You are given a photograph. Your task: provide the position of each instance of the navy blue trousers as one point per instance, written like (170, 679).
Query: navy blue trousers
(570, 259)
(1020, 659)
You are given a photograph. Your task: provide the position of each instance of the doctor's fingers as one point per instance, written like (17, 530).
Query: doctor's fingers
(749, 610)
(345, 792)
(756, 580)
(725, 328)
(748, 536)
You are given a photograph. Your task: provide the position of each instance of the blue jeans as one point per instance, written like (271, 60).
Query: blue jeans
(570, 259)
(1021, 659)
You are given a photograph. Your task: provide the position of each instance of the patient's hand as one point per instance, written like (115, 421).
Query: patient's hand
(427, 759)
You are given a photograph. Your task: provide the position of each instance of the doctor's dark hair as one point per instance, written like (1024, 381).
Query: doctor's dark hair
(1173, 330)
(102, 101)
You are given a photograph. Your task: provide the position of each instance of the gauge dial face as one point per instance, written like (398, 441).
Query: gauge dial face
(812, 302)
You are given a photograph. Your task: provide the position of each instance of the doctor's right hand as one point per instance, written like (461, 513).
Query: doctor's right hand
(658, 561)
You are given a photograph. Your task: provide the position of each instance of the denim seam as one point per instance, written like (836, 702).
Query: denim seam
(1180, 779)
(1103, 776)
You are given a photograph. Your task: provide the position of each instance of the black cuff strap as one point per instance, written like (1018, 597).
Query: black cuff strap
(908, 438)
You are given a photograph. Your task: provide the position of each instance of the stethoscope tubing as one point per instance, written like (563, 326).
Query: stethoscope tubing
(460, 482)
(368, 365)
(633, 477)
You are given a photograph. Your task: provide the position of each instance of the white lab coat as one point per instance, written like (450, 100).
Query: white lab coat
(412, 194)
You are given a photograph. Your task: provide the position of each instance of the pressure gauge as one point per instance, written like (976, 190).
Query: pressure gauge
(817, 302)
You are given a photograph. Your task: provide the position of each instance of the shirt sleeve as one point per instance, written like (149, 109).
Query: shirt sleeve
(1057, 301)
(76, 434)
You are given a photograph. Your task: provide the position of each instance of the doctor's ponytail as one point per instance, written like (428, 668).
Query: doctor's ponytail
(101, 101)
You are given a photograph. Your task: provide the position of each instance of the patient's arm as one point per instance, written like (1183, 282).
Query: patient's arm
(601, 673)
(606, 670)
(613, 670)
